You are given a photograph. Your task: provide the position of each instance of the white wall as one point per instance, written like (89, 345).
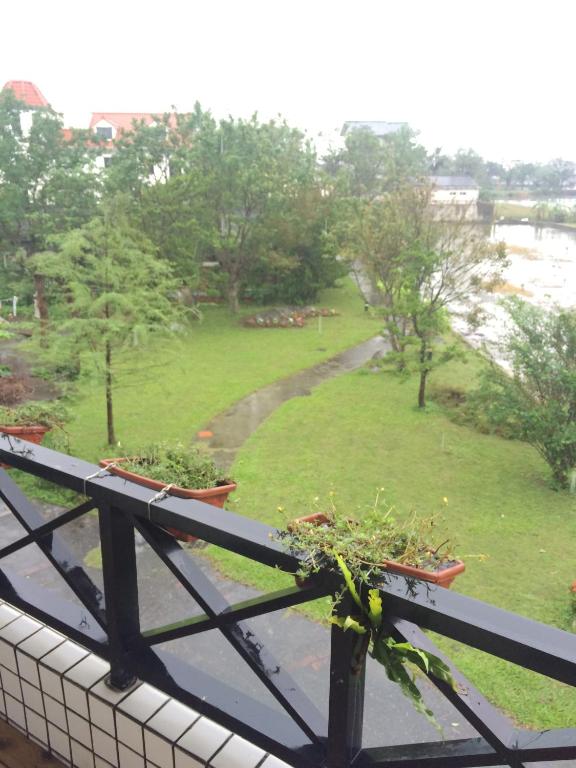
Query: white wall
(455, 196)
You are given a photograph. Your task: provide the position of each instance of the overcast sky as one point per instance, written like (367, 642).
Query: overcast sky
(496, 75)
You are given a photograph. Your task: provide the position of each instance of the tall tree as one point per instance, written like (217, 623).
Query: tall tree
(241, 174)
(116, 292)
(370, 165)
(47, 187)
(422, 266)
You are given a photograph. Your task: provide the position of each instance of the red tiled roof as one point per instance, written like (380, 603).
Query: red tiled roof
(27, 92)
(122, 121)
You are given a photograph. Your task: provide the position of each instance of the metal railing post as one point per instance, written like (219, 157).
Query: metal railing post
(346, 702)
(121, 592)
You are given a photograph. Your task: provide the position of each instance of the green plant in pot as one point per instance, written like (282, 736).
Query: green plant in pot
(185, 472)
(361, 552)
(32, 420)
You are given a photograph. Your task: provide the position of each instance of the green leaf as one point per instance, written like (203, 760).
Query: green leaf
(349, 581)
(375, 608)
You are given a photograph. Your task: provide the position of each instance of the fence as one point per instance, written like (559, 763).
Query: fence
(108, 623)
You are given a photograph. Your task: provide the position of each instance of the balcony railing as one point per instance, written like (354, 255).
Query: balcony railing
(108, 623)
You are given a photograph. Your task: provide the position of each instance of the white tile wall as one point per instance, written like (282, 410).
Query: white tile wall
(238, 753)
(55, 691)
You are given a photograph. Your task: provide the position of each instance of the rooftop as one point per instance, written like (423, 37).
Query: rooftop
(454, 182)
(27, 92)
(377, 127)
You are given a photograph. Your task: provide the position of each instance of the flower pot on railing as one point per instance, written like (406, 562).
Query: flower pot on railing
(441, 573)
(32, 420)
(33, 433)
(216, 496)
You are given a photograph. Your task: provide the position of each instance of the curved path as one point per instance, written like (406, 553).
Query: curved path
(231, 428)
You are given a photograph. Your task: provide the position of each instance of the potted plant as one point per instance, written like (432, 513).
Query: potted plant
(32, 420)
(362, 552)
(185, 472)
(375, 544)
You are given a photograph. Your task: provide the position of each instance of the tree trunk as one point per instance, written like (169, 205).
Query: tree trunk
(425, 360)
(233, 291)
(41, 306)
(422, 389)
(109, 411)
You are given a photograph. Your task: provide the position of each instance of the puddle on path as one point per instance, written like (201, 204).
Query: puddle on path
(233, 427)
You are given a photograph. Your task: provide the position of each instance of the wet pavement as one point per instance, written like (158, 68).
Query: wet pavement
(233, 427)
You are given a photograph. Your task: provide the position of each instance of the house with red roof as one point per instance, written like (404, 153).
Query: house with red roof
(109, 127)
(27, 93)
(30, 95)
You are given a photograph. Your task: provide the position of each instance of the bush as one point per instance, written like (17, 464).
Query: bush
(538, 402)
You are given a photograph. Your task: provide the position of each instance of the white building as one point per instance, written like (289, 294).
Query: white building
(454, 190)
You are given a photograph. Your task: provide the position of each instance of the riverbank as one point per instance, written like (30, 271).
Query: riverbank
(516, 213)
(540, 224)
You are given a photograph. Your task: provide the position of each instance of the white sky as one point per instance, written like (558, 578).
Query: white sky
(495, 75)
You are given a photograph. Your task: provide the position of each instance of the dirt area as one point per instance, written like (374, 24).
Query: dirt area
(14, 360)
(507, 289)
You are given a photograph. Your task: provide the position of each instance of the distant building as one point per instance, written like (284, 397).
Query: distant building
(27, 93)
(379, 128)
(109, 127)
(454, 190)
(30, 95)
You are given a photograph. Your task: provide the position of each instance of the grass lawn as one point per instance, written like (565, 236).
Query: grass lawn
(169, 390)
(361, 431)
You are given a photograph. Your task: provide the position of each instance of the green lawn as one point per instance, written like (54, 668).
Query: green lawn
(169, 390)
(360, 432)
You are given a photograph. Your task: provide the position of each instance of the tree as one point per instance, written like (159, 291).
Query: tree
(241, 175)
(369, 165)
(422, 266)
(301, 257)
(46, 187)
(538, 401)
(115, 289)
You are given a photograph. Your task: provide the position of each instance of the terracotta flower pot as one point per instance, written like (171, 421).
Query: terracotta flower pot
(443, 575)
(33, 433)
(215, 496)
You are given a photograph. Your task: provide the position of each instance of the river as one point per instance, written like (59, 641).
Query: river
(542, 270)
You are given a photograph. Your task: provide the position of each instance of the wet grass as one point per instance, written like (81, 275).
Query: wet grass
(169, 390)
(361, 431)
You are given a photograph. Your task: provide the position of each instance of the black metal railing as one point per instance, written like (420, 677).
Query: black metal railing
(108, 623)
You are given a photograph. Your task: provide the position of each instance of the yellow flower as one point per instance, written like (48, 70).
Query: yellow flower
(445, 499)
